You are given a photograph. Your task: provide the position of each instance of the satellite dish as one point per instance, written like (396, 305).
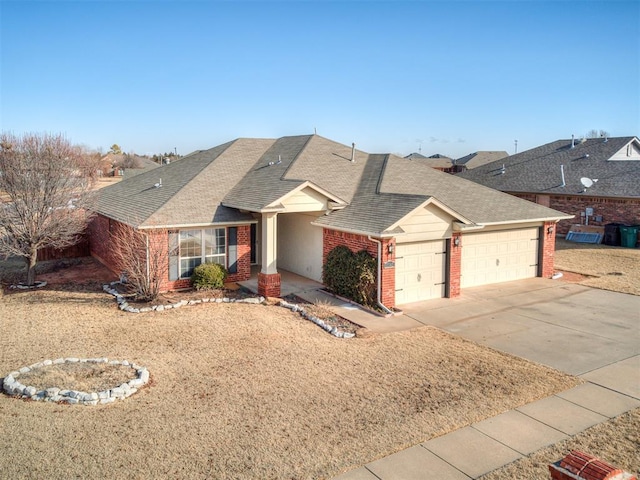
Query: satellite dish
(586, 182)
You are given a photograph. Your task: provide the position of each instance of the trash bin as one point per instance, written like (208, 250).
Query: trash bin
(612, 234)
(628, 236)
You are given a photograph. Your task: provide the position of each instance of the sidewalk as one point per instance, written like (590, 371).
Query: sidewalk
(480, 448)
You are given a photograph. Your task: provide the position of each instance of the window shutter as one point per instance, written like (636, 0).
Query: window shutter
(174, 256)
(232, 234)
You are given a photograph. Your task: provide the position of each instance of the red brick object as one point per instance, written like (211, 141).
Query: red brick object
(269, 284)
(582, 466)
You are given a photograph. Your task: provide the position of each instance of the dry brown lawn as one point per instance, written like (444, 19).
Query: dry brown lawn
(242, 391)
(616, 442)
(608, 268)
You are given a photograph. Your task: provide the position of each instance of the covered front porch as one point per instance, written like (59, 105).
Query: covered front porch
(290, 283)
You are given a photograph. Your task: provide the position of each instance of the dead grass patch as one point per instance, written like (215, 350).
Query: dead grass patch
(243, 391)
(605, 267)
(83, 377)
(616, 442)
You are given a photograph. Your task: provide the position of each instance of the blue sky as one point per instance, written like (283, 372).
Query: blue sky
(446, 77)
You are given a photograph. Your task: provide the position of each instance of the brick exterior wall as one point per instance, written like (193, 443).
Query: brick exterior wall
(612, 210)
(101, 246)
(547, 248)
(455, 265)
(333, 238)
(100, 240)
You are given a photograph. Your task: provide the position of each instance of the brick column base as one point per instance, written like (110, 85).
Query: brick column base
(269, 284)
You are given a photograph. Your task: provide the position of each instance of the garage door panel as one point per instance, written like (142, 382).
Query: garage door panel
(499, 256)
(420, 271)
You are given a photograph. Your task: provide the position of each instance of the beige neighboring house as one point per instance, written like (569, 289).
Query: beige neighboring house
(285, 203)
(121, 164)
(476, 159)
(436, 161)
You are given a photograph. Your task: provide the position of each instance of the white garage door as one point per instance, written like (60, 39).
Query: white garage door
(494, 257)
(420, 271)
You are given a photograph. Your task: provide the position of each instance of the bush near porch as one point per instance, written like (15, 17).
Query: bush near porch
(351, 275)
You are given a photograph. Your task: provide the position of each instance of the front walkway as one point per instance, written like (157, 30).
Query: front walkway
(311, 291)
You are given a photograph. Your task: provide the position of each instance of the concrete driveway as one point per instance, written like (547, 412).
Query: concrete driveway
(569, 327)
(575, 329)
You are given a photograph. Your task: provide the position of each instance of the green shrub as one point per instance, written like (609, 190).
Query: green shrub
(208, 276)
(351, 275)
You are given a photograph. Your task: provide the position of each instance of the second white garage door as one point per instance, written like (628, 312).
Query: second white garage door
(420, 271)
(492, 257)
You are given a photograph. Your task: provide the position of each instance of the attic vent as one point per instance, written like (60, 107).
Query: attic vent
(353, 153)
(158, 185)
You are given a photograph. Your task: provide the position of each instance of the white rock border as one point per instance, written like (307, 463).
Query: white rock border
(22, 286)
(125, 307)
(12, 386)
(318, 321)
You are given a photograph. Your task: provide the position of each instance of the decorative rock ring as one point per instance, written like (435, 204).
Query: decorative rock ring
(12, 385)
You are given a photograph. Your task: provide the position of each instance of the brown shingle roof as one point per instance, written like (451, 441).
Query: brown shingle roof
(219, 184)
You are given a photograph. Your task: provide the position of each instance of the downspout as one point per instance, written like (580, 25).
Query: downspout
(379, 282)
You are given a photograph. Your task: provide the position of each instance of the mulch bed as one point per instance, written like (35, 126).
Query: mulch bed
(325, 315)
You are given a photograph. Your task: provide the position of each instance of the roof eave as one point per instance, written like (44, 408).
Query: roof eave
(383, 234)
(196, 225)
(555, 219)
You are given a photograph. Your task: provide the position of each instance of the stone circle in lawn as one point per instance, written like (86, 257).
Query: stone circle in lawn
(12, 385)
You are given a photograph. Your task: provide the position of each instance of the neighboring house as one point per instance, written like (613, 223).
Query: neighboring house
(121, 164)
(476, 159)
(558, 175)
(286, 203)
(436, 161)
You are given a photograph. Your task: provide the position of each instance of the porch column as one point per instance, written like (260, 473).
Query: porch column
(269, 278)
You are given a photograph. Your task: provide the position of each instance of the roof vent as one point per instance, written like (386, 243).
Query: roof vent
(573, 141)
(353, 153)
(158, 185)
(503, 169)
(276, 163)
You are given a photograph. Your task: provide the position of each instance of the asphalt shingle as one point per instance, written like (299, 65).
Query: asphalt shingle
(539, 170)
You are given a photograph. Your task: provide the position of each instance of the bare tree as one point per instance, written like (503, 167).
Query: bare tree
(44, 190)
(142, 257)
(593, 133)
